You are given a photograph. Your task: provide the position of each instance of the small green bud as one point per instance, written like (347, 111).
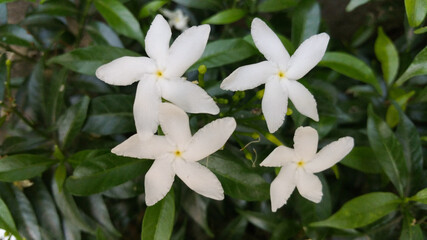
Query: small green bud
(255, 135)
(222, 101)
(248, 156)
(289, 112)
(8, 63)
(260, 94)
(202, 69)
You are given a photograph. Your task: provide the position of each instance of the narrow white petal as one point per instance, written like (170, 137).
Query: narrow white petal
(248, 77)
(209, 139)
(157, 40)
(199, 179)
(136, 148)
(186, 50)
(175, 124)
(125, 70)
(159, 179)
(188, 96)
(309, 185)
(268, 43)
(274, 104)
(330, 155)
(146, 108)
(308, 55)
(282, 187)
(305, 143)
(279, 157)
(302, 99)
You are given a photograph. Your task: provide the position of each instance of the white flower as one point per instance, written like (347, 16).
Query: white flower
(300, 164)
(279, 73)
(159, 75)
(3, 235)
(176, 18)
(178, 152)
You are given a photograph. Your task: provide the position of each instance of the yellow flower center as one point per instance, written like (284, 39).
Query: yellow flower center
(301, 163)
(159, 73)
(177, 153)
(281, 74)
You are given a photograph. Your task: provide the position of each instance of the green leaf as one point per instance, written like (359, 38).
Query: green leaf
(351, 67)
(361, 211)
(60, 175)
(265, 221)
(205, 4)
(120, 19)
(151, 8)
(416, 11)
(6, 220)
(159, 219)
(235, 229)
(362, 159)
(57, 8)
(196, 207)
(70, 123)
(23, 166)
(87, 60)
(305, 21)
(388, 151)
(421, 30)
(95, 175)
(238, 180)
(55, 96)
(421, 196)
(28, 225)
(418, 67)
(96, 207)
(36, 90)
(410, 231)
(392, 115)
(275, 5)
(102, 34)
(388, 56)
(16, 35)
(223, 52)
(225, 17)
(110, 114)
(353, 4)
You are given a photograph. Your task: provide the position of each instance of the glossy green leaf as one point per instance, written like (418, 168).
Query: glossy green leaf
(421, 30)
(388, 150)
(6, 220)
(87, 60)
(55, 96)
(225, 17)
(275, 5)
(70, 123)
(418, 67)
(120, 19)
(96, 207)
(305, 21)
(60, 175)
(238, 180)
(361, 211)
(110, 114)
(388, 56)
(57, 8)
(362, 159)
(159, 219)
(421, 196)
(102, 34)
(353, 4)
(223, 52)
(23, 166)
(95, 175)
(197, 208)
(410, 231)
(151, 8)
(416, 11)
(264, 221)
(16, 35)
(28, 226)
(392, 115)
(351, 67)
(36, 90)
(205, 4)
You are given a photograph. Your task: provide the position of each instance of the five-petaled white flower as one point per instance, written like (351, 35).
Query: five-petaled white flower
(159, 75)
(300, 164)
(176, 18)
(279, 73)
(178, 152)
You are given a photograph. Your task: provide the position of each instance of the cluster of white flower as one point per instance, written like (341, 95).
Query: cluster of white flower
(177, 152)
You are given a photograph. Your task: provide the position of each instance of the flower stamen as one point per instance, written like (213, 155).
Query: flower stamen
(159, 74)
(281, 74)
(177, 153)
(301, 163)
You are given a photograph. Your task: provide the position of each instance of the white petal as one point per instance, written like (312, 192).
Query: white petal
(125, 70)
(282, 187)
(209, 139)
(274, 104)
(157, 40)
(175, 124)
(159, 179)
(199, 179)
(309, 185)
(146, 108)
(248, 77)
(308, 55)
(302, 99)
(330, 155)
(188, 96)
(305, 143)
(268, 43)
(186, 50)
(279, 157)
(136, 148)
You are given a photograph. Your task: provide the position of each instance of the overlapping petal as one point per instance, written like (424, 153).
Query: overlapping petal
(125, 70)
(274, 104)
(199, 179)
(209, 139)
(309, 185)
(302, 99)
(175, 124)
(248, 77)
(282, 187)
(159, 179)
(330, 155)
(157, 40)
(279, 157)
(136, 148)
(305, 142)
(188, 96)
